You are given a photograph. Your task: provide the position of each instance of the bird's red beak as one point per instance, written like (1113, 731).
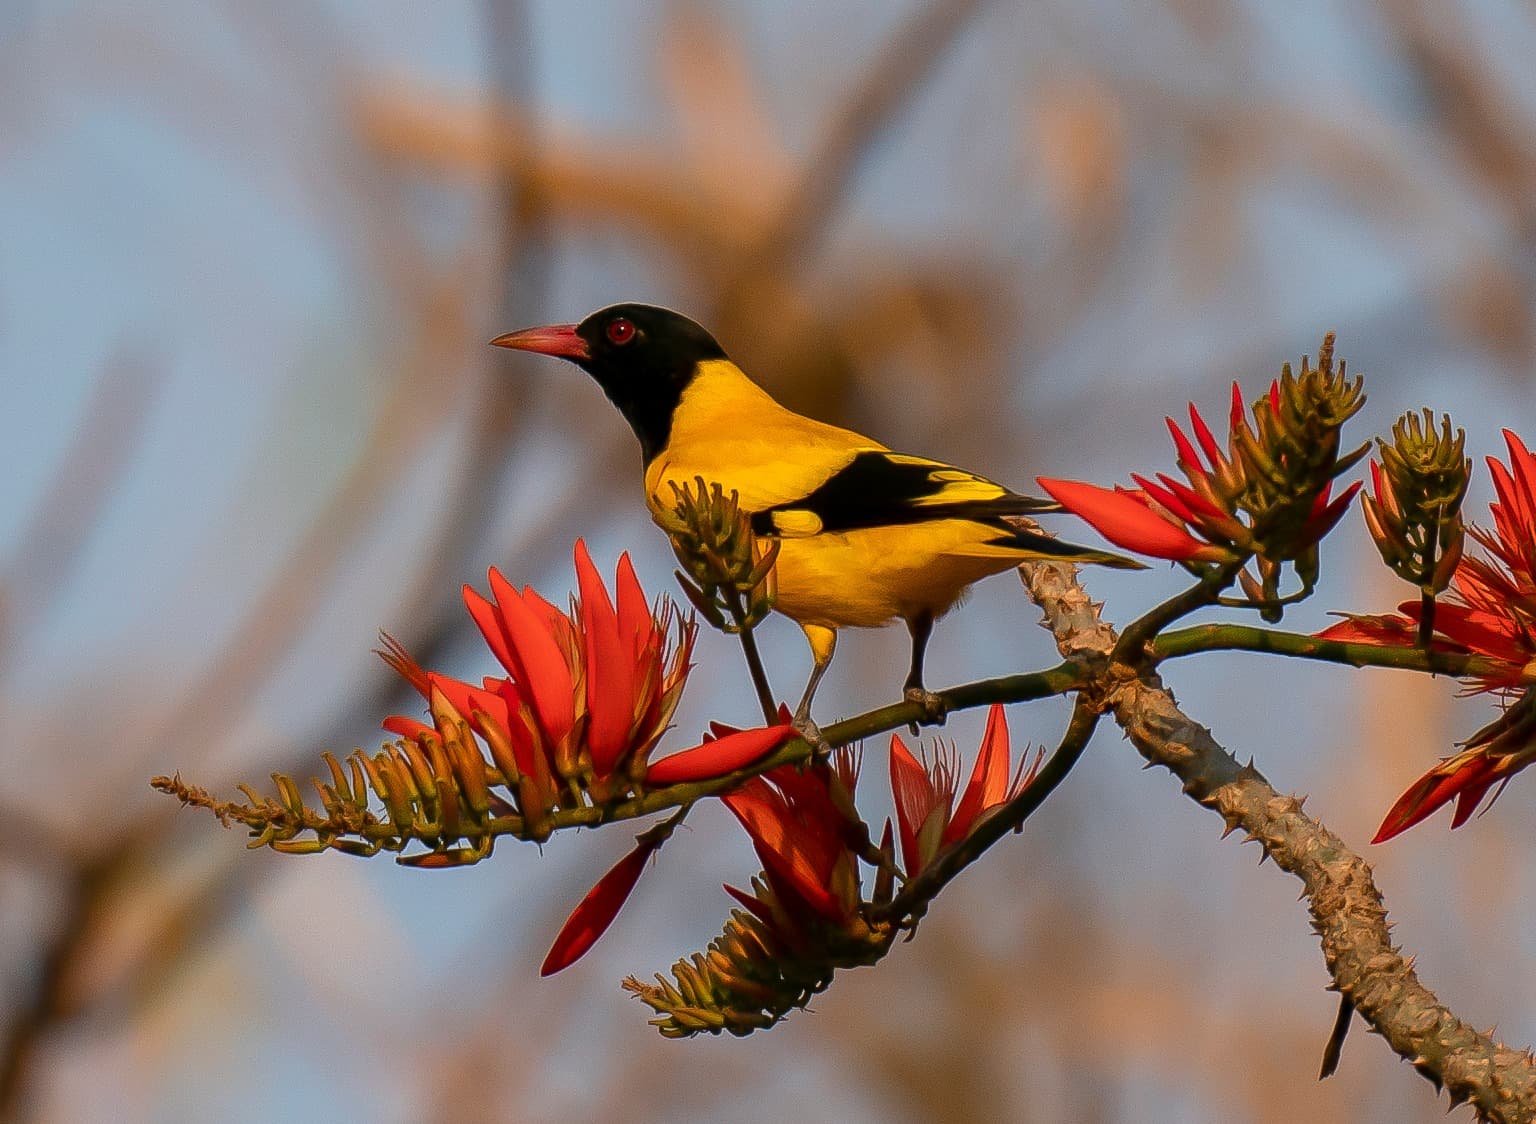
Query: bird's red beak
(555, 339)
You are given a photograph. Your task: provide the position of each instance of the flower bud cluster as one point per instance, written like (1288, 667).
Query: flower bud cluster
(728, 571)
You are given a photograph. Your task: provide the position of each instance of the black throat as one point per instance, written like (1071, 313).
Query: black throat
(649, 412)
(645, 365)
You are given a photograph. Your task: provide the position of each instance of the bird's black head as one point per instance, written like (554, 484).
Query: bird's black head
(642, 356)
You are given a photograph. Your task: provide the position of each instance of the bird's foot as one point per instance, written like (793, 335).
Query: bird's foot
(934, 709)
(807, 729)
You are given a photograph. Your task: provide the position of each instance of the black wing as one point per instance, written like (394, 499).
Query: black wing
(884, 489)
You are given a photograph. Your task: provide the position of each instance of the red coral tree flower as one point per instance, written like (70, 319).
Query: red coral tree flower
(1489, 611)
(588, 692)
(1129, 519)
(1195, 520)
(805, 834)
(927, 817)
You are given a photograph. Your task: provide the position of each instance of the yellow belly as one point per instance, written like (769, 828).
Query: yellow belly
(868, 578)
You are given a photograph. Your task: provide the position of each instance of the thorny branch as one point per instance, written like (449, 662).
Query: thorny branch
(1347, 909)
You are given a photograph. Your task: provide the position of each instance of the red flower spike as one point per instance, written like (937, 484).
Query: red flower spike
(718, 755)
(1490, 611)
(588, 694)
(591, 918)
(927, 817)
(1128, 522)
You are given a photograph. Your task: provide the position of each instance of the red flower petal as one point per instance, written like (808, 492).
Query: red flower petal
(467, 699)
(538, 661)
(752, 905)
(1206, 438)
(1197, 503)
(1326, 515)
(1469, 771)
(799, 858)
(404, 727)
(988, 785)
(596, 912)
(1469, 798)
(1478, 631)
(1387, 630)
(635, 623)
(717, 756)
(488, 620)
(914, 795)
(611, 669)
(1162, 495)
(1382, 486)
(1128, 522)
(1188, 458)
(1523, 466)
(394, 654)
(1514, 515)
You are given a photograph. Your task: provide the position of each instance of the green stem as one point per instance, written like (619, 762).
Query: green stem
(1062, 679)
(1139, 634)
(659, 833)
(1246, 638)
(759, 676)
(1426, 617)
(1059, 680)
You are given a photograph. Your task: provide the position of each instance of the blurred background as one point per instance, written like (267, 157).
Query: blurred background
(249, 259)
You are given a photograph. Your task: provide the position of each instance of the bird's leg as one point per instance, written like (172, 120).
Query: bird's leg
(921, 627)
(823, 641)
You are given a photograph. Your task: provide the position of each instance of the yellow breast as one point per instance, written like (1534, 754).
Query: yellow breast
(869, 577)
(729, 431)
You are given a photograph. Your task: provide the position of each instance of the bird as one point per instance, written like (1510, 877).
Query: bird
(867, 535)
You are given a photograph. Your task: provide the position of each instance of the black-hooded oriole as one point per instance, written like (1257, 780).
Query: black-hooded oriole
(867, 535)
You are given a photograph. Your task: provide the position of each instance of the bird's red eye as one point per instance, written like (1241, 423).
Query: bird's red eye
(620, 331)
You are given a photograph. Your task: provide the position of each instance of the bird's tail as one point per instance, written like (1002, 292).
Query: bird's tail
(1025, 542)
